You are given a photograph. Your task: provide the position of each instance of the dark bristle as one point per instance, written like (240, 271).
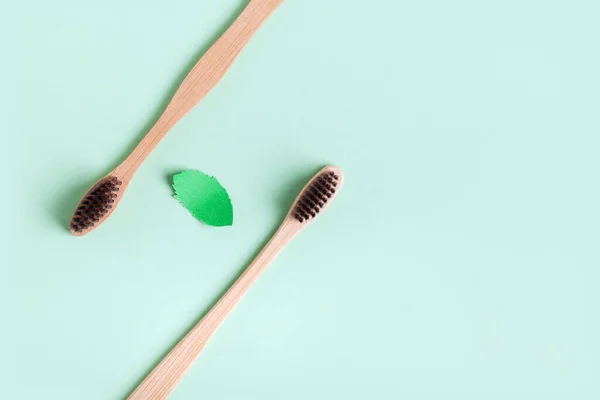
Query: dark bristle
(311, 196)
(304, 207)
(315, 197)
(95, 205)
(310, 204)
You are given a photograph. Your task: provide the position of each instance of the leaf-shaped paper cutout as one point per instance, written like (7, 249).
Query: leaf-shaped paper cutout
(204, 197)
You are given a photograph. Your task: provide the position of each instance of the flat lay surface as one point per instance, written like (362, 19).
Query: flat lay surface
(459, 261)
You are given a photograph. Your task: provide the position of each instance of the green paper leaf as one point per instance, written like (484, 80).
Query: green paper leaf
(204, 197)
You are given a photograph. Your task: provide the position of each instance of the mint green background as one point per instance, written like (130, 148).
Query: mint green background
(460, 261)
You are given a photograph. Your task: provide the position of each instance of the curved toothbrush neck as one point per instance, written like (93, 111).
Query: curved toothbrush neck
(202, 78)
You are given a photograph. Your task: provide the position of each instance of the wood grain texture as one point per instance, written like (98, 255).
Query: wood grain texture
(201, 79)
(167, 374)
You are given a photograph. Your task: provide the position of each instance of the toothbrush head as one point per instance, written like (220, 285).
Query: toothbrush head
(95, 206)
(317, 194)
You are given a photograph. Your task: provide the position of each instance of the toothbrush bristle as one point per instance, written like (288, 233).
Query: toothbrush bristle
(316, 196)
(96, 204)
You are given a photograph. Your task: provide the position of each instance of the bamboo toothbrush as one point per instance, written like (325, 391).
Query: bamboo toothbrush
(313, 199)
(101, 200)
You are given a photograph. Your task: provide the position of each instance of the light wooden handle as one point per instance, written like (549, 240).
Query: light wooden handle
(167, 374)
(202, 78)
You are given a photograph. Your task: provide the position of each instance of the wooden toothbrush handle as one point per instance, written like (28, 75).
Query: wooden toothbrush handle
(203, 77)
(166, 375)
